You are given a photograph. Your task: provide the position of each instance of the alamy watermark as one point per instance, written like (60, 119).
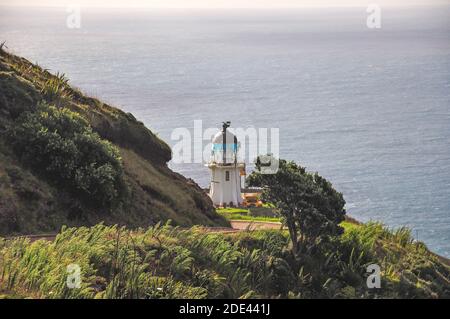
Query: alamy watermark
(195, 146)
(73, 20)
(374, 279)
(374, 18)
(73, 279)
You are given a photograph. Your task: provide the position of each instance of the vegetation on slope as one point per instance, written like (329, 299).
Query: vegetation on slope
(167, 262)
(308, 204)
(61, 146)
(67, 159)
(244, 214)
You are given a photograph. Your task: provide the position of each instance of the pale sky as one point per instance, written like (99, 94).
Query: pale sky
(218, 3)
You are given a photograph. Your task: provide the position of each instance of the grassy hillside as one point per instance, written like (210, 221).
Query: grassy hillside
(68, 159)
(166, 262)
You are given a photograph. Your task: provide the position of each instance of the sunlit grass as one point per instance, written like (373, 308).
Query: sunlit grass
(244, 215)
(169, 262)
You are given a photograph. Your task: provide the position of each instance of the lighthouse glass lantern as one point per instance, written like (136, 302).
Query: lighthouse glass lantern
(226, 169)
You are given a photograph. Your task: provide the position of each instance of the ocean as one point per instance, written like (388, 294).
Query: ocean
(369, 109)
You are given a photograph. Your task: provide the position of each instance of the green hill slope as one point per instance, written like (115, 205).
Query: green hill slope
(56, 143)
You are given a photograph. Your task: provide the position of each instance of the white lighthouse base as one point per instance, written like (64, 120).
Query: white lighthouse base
(225, 189)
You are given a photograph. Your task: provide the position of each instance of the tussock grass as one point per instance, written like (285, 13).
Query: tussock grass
(55, 91)
(168, 262)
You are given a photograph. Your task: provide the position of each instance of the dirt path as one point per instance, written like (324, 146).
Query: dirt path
(253, 225)
(32, 238)
(236, 226)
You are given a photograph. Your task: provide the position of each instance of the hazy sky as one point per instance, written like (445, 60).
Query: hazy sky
(218, 3)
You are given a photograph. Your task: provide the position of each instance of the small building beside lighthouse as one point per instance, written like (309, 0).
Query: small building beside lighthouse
(226, 169)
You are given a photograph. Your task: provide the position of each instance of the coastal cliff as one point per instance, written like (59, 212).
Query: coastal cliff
(72, 164)
(35, 198)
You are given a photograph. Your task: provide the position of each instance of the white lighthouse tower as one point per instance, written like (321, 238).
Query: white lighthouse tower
(226, 169)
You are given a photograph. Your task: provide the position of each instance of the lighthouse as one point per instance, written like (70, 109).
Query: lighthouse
(226, 169)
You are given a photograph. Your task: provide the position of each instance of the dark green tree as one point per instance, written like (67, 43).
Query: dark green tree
(308, 204)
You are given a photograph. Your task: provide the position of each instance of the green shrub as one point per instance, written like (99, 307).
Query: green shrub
(60, 145)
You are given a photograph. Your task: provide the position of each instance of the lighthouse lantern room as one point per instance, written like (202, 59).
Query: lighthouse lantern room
(226, 169)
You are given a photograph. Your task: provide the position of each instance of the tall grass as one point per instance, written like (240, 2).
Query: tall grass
(55, 89)
(168, 262)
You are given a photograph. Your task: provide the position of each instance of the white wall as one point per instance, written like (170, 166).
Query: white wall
(223, 191)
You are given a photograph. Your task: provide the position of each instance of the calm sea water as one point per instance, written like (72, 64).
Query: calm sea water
(368, 109)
